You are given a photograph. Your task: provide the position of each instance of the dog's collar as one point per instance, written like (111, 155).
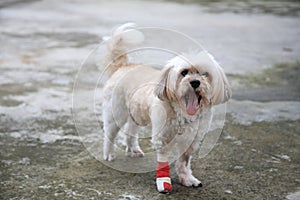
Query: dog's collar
(180, 130)
(181, 122)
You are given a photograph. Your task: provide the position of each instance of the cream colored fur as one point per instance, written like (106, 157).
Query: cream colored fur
(138, 95)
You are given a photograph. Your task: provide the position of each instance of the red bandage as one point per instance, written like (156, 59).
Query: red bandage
(163, 180)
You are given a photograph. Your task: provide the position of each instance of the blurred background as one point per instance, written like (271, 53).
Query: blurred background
(42, 46)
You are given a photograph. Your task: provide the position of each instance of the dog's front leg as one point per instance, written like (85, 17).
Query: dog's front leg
(161, 137)
(163, 180)
(184, 172)
(183, 164)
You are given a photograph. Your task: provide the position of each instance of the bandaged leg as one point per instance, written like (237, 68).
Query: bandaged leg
(163, 180)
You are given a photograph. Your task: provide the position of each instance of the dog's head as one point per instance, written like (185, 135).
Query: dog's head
(193, 81)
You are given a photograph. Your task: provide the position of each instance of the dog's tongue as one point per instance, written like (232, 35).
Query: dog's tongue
(192, 103)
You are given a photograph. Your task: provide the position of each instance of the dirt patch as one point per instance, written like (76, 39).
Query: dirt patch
(250, 162)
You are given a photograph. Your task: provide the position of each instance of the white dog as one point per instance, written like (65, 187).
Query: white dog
(176, 101)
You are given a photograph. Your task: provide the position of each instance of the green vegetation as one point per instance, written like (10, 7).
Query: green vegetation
(280, 75)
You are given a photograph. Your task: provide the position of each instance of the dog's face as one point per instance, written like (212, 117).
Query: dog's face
(193, 82)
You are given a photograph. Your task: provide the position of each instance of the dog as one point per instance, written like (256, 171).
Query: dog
(176, 102)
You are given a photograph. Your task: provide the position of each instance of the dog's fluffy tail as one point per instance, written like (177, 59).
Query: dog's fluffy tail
(122, 40)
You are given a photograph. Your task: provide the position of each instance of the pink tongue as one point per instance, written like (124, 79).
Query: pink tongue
(192, 104)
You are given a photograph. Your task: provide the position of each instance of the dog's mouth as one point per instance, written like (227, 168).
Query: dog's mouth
(192, 101)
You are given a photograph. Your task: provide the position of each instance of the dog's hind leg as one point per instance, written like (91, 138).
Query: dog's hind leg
(111, 130)
(131, 131)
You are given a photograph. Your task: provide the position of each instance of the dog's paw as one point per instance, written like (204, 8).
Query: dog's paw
(190, 181)
(134, 152)
(164, 184)
(109, 156)
(137, 153)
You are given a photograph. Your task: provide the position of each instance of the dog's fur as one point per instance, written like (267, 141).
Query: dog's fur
(138, 95)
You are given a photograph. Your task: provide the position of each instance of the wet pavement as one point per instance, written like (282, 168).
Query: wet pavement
(43, 44)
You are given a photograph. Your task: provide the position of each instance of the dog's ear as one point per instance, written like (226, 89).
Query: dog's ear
(162, 90)
(222, 90)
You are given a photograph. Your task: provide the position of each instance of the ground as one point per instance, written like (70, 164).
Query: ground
(42, 46)
(250, 164)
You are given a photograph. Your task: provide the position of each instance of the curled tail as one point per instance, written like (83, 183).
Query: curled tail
(118, 44)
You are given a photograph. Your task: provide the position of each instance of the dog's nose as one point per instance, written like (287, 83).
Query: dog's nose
(195, 83)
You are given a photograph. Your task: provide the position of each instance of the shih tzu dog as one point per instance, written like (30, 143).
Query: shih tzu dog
(176, 102)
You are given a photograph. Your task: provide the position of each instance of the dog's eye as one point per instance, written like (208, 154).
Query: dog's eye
(205, 74)
(184, 72)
